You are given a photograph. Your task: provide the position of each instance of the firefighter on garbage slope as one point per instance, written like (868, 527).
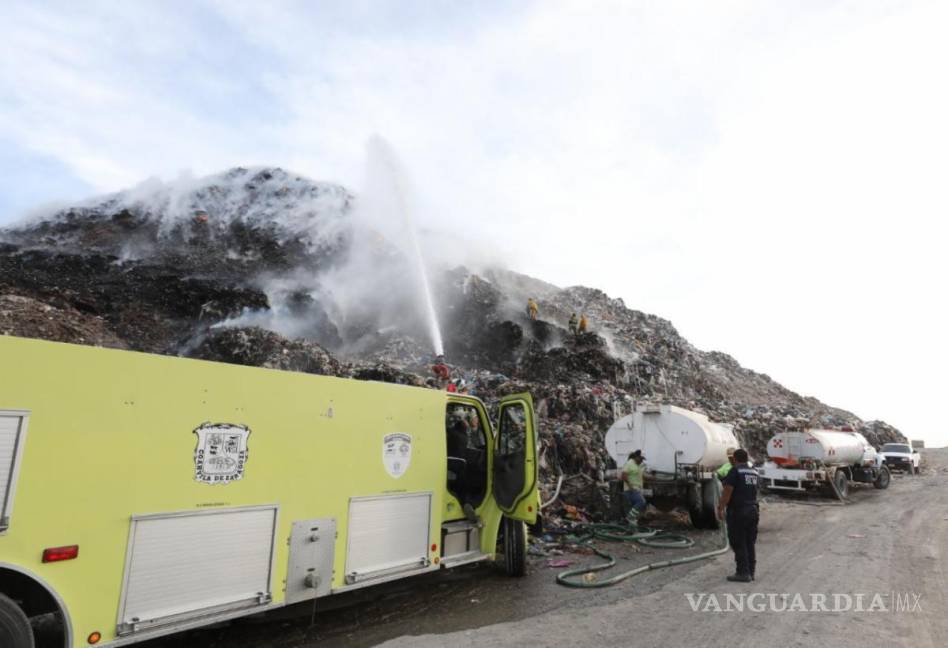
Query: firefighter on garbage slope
(583, 323)
(573, 324)
(532, 308)
(441, 371)
(743, 514)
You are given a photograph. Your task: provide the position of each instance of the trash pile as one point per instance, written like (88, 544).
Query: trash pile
(238, 222)
(258, 348)
(149, 305)
(27, 317)
(215, 269)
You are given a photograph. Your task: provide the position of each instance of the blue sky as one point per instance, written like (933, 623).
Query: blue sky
(767, 175)
(29, 180)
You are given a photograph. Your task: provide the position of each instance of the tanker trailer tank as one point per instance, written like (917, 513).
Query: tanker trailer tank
(682, 449)
(825, 460)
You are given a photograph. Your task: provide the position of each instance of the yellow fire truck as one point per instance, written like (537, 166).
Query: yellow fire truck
(143, 495)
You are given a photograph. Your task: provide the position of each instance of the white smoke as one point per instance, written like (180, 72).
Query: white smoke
(382, 290)
(387, 202)
(289, 204)
(368, 280)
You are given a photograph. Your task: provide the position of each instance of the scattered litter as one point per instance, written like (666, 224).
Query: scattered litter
(561, 562)
(574, 513)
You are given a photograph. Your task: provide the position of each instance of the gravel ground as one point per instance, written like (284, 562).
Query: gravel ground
(884, 542)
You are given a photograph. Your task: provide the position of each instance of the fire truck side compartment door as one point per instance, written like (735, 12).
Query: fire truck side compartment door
(196, 563)
(515, 461)
(387, 535)
(12, 436)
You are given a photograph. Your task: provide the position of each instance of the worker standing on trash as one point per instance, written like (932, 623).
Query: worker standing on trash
(743, 513)
(726, 468)
(632, 475)
(532, 308)
(441, 371)
(583, 323)
(573, 324)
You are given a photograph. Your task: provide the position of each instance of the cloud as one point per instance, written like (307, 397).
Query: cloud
(766, 175)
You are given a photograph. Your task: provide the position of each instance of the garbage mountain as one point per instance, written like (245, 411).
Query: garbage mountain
(268, 268)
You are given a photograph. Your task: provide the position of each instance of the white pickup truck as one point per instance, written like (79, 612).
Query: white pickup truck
(901, 456)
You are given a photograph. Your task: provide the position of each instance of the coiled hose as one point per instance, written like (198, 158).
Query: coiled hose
(581, 577)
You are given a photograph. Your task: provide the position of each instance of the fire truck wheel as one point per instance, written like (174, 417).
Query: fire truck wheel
(15, 631)
(515, 548)
(882, 481)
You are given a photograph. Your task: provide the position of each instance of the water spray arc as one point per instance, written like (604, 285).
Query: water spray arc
(383, 149)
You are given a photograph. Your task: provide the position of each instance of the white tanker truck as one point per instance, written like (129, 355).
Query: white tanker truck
(682, 450)
(824, 460)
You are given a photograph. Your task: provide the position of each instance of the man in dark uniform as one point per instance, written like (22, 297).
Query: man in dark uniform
(740, 500)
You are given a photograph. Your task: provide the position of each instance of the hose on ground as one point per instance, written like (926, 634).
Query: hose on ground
(838, 494)
(581, 577)
(559, 484)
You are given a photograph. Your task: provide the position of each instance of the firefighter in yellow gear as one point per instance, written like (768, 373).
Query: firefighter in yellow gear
(583, 323)
(532, 308)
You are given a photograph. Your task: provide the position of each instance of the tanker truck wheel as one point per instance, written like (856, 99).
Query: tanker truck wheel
(694, 504)
(15, 631)
(710, 495)
(882, 481)
(694, 512)
(515, 547)
(841, 482)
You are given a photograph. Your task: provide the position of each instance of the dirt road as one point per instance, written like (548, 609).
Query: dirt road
(885, 550)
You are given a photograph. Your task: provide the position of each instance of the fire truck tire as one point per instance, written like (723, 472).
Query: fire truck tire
(882, 481)
(15, 631)
(515, 547)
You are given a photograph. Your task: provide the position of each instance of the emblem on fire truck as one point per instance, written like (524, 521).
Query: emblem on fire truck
(396, 453)
(221, 452)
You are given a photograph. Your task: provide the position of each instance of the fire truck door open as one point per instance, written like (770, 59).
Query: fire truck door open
(515, 467)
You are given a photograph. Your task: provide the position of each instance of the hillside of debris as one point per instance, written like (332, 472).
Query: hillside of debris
(264, 267)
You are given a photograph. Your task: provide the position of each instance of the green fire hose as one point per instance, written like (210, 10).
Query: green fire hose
(581, 577)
